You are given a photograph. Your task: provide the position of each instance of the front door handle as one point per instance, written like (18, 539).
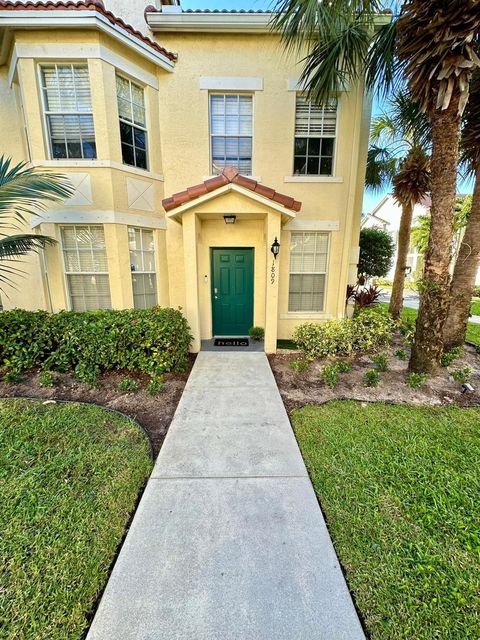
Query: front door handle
(215, 291)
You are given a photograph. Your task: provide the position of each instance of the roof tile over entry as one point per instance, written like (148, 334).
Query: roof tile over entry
(229, 175)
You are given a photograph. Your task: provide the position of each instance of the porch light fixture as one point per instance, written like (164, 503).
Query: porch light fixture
(275, 248)
(229, 219)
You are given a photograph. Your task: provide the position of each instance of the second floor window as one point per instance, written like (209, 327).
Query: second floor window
(68, 111)
(315, 131)
(231, 132)
(133, 124)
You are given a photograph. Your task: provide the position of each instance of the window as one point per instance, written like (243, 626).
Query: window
(68, 111)
(231, 132)
(315, 130)
(86, 268)
(142, 264)
(308, 271)
(133, 127)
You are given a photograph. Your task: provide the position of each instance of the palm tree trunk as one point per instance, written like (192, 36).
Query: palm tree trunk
(396, 301)
(428, 346)
(463, 281)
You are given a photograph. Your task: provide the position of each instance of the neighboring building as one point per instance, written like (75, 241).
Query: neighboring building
(386, 215)
(150, 140)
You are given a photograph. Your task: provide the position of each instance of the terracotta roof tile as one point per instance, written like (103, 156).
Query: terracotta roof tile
(85, 5)
(229, 175)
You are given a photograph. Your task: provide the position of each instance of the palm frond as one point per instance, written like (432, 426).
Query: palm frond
(381, 168)
(25, 190)
(383, 68)
(12, 247)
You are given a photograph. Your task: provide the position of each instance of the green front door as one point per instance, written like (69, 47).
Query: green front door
(232, 291)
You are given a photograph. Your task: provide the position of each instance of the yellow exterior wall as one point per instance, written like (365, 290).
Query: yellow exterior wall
(179, 156)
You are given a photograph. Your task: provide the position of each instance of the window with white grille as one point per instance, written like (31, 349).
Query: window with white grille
(142, 265)
(86, 268)
(231, 118)
(308, 271)
(133, 123)
(315, 131)
(68, 111)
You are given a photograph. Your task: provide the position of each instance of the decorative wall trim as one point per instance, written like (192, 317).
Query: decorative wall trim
(92, 164)
(205, 22)
(82, 19)
(305, 179)
(72, 216)
(218, 83)
(312, 225)
(140, 194)
(83, 189)
(294, 84)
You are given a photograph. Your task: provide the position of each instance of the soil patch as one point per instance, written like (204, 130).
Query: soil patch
(154, 413)
(298, 389)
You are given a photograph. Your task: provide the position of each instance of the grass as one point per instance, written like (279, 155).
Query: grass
(473, 330)
(70, 476)
(475, 308)
(399, 486)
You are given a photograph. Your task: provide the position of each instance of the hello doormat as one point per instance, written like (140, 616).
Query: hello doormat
(231, 342)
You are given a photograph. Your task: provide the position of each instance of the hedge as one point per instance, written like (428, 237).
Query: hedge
(150, 340)
(370, 330)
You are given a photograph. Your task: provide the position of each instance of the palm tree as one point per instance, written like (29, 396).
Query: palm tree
(24, 191)
(468, 260)
(431, 45)
(405, 133)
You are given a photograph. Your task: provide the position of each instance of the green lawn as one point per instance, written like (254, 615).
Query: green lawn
(473, 329)
(399, 486)
(475, 308)
(70, 476)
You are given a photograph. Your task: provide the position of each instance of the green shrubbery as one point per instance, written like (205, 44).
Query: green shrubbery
(370, 330)
(150, 340)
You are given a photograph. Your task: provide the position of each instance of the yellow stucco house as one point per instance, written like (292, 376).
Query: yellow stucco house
(204, 179)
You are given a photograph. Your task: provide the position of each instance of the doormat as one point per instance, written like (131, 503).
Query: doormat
(231, 342)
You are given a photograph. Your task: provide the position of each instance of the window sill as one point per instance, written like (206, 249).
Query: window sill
(331, 179)
(303, 315)
(90, 164)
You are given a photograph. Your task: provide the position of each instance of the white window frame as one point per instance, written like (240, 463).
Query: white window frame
(46, 113)
(303, 273)
(216, 135)
(148, 273)
(81, 273)
(315, 176)
(132, 123)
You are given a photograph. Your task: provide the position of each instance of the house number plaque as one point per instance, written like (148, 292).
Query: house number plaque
(272, 273)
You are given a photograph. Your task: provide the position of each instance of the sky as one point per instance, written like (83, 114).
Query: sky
(370, 199)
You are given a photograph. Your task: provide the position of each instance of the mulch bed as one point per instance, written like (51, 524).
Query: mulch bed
(298, 389)
(153, 413)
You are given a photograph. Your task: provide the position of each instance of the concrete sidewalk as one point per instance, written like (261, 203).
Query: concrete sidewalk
(228, 542)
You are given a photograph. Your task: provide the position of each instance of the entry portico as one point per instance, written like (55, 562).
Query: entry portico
(222, 286)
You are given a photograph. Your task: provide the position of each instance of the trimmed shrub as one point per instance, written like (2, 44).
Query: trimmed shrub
(150, 340)
(462, 375)
(416, 380)
(380, 361)
(48, 378)
(127, 384)
(370, 330)
(449, 357)
(300, 365)
(371, 378)
(156, 386)
(256, 333)
(331, 375)
(401, 354)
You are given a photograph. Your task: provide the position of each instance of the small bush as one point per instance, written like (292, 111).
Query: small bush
(370, 330)
(331, 375)
(150, 340)
(12, 377)
(256, 333)
(127, 384)
(300, 365)
(372, 378)
(416, 380)
(47, 378)
(380, 361)
(343, 366)
(401, 354)
(156, 386)
(462, 375)
(449, 357)
(367, 297)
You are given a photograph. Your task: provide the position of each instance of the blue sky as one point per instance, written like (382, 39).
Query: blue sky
(370, 199)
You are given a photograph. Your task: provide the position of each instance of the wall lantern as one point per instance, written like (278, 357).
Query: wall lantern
(275, 248)
(229, 219)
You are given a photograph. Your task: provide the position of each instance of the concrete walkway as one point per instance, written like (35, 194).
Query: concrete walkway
(228, 542)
